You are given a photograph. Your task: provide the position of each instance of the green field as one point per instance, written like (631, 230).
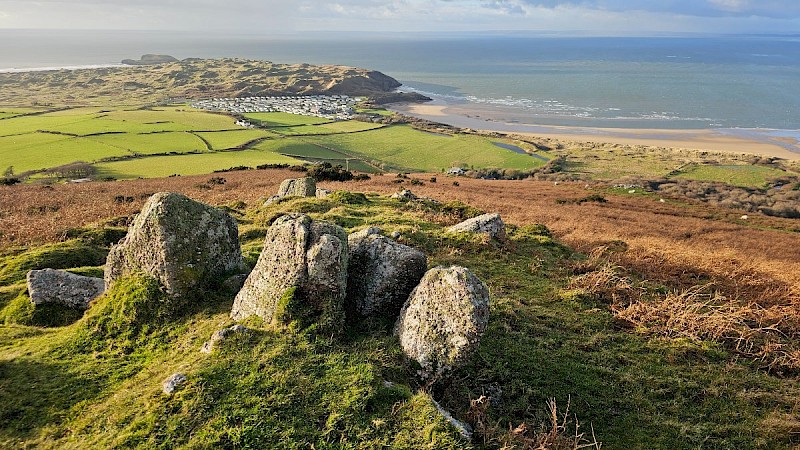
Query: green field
(6, 112)
(737, 175)
(405, 148)
(279, 119)
(194, 164)
(41, 151)
(350, 126)
(224, 140)
(178, 142)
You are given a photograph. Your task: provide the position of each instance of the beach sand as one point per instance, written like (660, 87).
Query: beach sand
(740, 142)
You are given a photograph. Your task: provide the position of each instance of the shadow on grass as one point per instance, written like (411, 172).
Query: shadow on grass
(36, 394)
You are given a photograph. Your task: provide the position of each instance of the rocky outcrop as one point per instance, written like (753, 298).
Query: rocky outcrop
(443, 320)
(64, 288)
(301, 273)
(398, 97)
(150, 59)
(405, 195)
(182, 243)
(490, 224)
(382, 273)
(298, 187)
(221, 335)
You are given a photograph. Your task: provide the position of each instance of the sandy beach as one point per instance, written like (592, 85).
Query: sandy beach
(739, 141)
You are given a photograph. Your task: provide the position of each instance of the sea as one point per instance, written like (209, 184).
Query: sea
(671, 82)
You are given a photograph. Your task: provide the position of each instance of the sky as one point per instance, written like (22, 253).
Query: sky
(603, 17)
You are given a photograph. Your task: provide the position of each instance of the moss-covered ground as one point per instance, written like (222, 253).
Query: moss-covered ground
(95, 381)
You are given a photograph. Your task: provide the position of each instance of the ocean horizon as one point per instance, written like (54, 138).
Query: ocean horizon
(746, 83)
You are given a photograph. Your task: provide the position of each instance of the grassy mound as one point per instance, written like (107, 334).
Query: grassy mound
(553, 345)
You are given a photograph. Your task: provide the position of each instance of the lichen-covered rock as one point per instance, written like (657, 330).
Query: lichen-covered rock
(272, 200)
(382, 273)
(300, 274)
(490, 224)
(354, 239)
(443, 320)
(220, 336)
(64, 288)
(405, 195)
(298, 187)
(183, 243)
(175, 381)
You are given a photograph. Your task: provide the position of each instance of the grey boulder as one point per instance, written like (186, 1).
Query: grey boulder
(298, 187)
(302, 270)
(381, 274)
(182, 243)
(490, 224)
(64, 288)
(171, 384)
(443, 320)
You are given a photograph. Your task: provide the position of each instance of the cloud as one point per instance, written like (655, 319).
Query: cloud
(269, 16)
(701, 8)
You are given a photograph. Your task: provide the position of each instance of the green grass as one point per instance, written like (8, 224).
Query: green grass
(41, 150)
(184, 117)
(297, 148)
(7, 112)
(180, 142)
(224, 140)
(404, 148)
(350, 126)
(378, 111)
(737, 175)
(279, 119)
(97, 381)
(195, 164)
(31, 124)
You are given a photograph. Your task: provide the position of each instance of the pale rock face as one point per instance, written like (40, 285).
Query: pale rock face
(490, 224)
(382, 273)
(180, 242)
(300, 256)
(322, 193)
(405, 195)
(171, 384)
(298, 187)
(443, 320)
(64, 288)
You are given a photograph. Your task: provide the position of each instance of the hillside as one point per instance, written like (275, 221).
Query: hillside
(191, 78)
(580, 313)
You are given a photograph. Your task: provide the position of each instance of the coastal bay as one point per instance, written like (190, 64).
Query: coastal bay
(738, 141)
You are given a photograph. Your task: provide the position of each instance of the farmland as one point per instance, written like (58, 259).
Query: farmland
(171, 140)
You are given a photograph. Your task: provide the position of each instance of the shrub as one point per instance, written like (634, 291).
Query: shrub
(328, 172)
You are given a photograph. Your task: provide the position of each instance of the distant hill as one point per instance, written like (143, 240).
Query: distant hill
(192, 78)
(150, 59)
